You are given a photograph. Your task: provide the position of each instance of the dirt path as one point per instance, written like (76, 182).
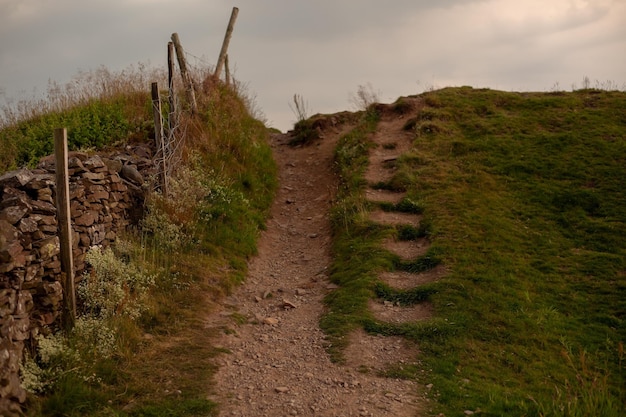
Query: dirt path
(277, 364)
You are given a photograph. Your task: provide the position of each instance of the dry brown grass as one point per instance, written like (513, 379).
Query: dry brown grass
(99, 84)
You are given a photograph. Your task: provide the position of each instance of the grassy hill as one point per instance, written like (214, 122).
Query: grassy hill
(524, 200)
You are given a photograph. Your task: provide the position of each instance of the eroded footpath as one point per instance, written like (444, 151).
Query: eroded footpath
(277, 363)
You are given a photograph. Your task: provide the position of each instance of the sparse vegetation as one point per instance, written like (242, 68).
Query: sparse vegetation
(113, 287)
(304, 132)
(365, 96)
(299, 108)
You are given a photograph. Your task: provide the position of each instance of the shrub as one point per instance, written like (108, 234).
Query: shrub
(113, 286)
(197, 198)
(90, 341)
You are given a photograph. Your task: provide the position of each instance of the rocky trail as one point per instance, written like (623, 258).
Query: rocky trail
(276, 362)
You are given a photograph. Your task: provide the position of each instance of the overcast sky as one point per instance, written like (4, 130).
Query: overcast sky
(323, 49)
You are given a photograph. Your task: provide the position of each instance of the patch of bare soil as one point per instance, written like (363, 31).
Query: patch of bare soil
(367, 352)
(391, 141)
(391, 313)
(395, 218)
(384, 196)
(407, 249)
(407, 280)
(277, 363)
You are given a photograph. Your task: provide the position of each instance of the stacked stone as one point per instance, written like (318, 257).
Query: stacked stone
(102, 191)
(98, 202)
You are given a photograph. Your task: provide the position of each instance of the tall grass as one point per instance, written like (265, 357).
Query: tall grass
(191, 248)
(99, 108)
(98, 84)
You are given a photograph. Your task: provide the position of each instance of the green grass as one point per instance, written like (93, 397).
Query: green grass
(524, 196)
(92, 125)
(525, 193)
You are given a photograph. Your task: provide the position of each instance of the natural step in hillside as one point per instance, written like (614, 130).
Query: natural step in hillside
(406, 280)
(394, 218)
(407, 249)
(383, 196)
(389, 312)
(391, 140)
(382, 163)
(367, 352)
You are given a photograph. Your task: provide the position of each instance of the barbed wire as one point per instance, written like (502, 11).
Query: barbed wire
(202, 60)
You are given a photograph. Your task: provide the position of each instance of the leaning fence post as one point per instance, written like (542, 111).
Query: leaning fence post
(227, 70)
(224, 50)
(64, 224)
(182, 63)
(170, 85)
(158, 134)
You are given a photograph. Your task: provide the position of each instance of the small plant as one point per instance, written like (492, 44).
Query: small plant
(57, 356)
(409, 232)
(402, 106)
(364, 97)
(408, 205)
(586, 83)
(164, 233)
(299, 108)
(113, 286)
(53, 356)
(305, 132)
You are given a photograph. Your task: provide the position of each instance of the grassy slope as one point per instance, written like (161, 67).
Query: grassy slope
(172, 375)
(93, 124)
(163, 361)
(524, 198)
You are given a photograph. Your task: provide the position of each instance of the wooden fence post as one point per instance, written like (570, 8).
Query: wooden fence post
(158, 134)
(182, 63)
(64, 224)
(170, 83)
(227, 70)
(224, 50)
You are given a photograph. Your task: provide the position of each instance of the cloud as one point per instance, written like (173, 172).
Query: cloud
(18, 12)
(533, 19)
(325, 20)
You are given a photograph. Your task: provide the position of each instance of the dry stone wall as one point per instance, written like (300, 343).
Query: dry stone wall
(106, 194)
